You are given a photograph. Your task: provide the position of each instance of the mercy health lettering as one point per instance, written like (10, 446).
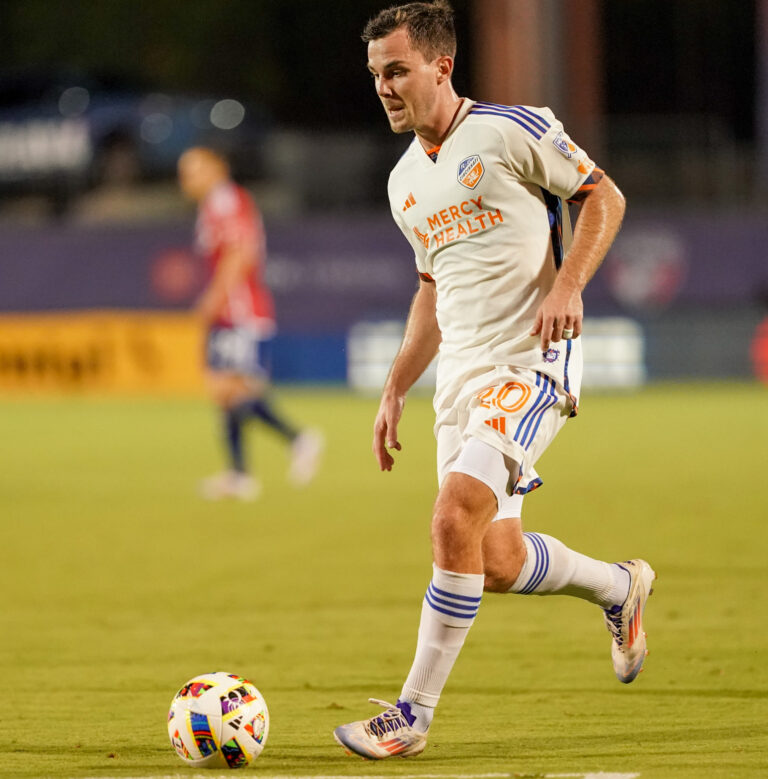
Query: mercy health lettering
(456, 221)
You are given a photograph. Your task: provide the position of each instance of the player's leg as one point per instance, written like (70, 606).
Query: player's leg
(538, 564)
(224, 356)
(238, 379)
(463, 509)
(257, 402)
(225, 389)
(510, 426)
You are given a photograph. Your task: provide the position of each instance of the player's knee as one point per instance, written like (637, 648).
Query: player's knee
(223, 398)
(226, 392)
(451, 523)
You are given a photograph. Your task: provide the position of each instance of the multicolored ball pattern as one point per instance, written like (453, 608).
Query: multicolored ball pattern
(218, 720)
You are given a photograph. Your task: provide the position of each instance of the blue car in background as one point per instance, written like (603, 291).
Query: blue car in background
(62, 132)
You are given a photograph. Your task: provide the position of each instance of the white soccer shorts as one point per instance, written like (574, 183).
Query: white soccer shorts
(497, 435)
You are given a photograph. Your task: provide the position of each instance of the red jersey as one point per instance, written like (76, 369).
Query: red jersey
(228, 218)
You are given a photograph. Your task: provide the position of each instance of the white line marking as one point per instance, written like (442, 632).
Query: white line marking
(208, 775)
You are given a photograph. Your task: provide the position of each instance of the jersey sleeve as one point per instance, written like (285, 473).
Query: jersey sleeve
(541, 152)
(238, 223)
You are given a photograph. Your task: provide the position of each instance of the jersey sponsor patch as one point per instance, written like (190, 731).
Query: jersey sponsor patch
(471, 170)
(563, 144)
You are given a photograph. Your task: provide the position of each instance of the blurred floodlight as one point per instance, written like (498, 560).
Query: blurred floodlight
(227, 114)
(74, 101)
(156, 128)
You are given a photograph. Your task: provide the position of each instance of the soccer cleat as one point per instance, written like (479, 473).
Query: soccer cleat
(625, 622)
(305, 457)
(386, 735)
(230, 484)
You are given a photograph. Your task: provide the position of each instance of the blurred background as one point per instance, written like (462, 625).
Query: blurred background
(98, 99)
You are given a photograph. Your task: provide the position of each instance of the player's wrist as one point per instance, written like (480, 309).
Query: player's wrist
(568, 282)
(393, 393)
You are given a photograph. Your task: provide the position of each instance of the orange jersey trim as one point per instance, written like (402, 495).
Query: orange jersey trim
(588, 186)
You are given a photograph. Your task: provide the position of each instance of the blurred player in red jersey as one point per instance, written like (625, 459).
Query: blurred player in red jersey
(237, 312)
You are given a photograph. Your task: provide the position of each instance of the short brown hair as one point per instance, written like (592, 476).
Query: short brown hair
(429, 26)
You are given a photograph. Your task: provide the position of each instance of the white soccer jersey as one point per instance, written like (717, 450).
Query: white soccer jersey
(487, 224)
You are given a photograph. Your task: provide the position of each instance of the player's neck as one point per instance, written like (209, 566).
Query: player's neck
(214, 186)
(436, 133)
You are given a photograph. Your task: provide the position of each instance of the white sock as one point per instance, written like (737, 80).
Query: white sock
(447, 614)
(551, 568)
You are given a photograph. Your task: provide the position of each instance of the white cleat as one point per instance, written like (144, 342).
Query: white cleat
(386, 735)
(230, 484)
(306, 450)
(625, 622)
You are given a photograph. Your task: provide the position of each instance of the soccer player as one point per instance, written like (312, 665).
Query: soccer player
(237, 312)
(479, 195)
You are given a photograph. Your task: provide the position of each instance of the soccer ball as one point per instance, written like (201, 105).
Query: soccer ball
(218, 720)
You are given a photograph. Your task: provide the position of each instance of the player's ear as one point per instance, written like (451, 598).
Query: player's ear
(444, 67)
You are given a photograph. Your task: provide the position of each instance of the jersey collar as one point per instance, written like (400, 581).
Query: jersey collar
(461, 114)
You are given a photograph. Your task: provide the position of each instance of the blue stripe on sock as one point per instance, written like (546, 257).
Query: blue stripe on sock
(448, 612)
(446, 594)
(542, 563)
(434, 598)
(544, 552)
(537, 565)
(545, 566)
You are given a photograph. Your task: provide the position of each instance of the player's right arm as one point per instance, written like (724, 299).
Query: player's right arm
(232, 270)
(421, 341)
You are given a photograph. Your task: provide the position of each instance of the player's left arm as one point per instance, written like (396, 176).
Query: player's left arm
(232, 269)
(602, 211)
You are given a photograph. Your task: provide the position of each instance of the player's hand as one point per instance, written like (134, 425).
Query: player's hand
(385, 430)
(206, 309)
(562, 309)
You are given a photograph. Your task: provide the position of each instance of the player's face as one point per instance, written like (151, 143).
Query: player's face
(405, 82)
(194, 175)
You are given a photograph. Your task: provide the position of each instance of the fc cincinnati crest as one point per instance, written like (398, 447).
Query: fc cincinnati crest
(470, 171)
(564, 145)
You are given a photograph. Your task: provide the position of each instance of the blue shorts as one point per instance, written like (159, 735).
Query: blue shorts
(238, 350)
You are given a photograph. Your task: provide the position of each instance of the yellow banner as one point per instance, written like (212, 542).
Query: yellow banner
(101, 351)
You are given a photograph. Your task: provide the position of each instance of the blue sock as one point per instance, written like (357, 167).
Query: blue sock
(233, 430)
(263, 409)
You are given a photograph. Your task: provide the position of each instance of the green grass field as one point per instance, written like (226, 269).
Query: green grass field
(118, 584)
